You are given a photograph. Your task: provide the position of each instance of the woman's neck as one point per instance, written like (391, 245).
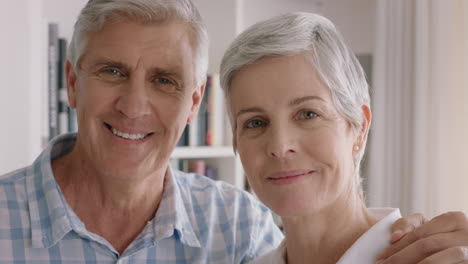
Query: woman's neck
(324, 236)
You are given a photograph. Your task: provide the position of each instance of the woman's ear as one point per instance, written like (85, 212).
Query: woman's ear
(361, 140)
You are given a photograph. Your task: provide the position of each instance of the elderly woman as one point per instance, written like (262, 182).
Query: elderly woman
(300, 112)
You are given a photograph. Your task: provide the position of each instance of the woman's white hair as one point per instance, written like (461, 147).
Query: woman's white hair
(97, 13)
(294, 33)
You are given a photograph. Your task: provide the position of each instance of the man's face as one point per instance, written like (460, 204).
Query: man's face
(134, 93)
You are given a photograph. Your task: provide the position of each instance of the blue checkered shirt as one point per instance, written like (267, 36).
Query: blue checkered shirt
(198, 221)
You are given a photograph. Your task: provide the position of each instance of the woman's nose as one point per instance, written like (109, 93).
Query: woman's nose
(281, 143)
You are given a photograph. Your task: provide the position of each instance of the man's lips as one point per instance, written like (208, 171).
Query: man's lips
(132, 134)
(128, 130)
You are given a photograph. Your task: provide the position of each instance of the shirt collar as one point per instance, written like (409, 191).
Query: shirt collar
(172, 213)
(364, 250)
(48, 214)
(375, 240)
(52, 218)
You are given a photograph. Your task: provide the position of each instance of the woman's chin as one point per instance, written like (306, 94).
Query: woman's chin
(294, 206)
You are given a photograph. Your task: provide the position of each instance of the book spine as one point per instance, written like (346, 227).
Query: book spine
(197, 166)
(183, 140)
(203, 116)
(72, 122)
(217, 112)
(45, 86)
(52, 79)
(62, 88)
(193, 132)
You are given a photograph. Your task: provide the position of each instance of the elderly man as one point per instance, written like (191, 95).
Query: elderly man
(136, 76)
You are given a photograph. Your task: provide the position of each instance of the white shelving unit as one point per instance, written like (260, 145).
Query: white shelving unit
(203, 152)
(222, 158)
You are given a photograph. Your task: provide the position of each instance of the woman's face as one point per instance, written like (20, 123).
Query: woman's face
(296, 149)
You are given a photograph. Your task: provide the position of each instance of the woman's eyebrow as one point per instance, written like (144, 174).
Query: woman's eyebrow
(304, 99)
(249, 110)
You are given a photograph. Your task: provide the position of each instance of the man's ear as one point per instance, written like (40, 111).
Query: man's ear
(197, 96)
(361, 140)
(71, 83)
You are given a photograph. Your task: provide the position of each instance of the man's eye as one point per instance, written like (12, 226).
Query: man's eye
(113, 72)
(165, 84)
(163, 81)
(308, 115)
(255, 123)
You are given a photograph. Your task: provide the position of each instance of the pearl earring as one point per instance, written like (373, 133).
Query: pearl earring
(356, 147)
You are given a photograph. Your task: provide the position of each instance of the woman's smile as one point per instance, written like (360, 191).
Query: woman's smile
(289, 176)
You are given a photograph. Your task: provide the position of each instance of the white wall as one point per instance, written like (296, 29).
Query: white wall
(20, 87)
(225, 18)
(64, 12)
(354, 18)
(220, 20)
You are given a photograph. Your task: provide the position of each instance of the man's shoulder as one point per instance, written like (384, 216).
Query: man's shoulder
(204, 188)
(14, 176)
(14, 199)
(230, 211)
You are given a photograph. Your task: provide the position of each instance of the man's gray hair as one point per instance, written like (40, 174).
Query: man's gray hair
(97, 13)
(294, 33)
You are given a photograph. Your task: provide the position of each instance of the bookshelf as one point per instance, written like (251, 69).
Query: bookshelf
(24, 44)
(204, 152)
(34, 122)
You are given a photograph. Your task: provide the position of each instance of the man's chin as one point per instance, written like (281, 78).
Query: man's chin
(127, 171)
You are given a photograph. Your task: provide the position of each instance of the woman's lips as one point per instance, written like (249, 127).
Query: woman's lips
(289, 176)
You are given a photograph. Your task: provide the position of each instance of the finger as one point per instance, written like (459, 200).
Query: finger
(444, 223)
(450, 255)
(426, 247)
(405, 225)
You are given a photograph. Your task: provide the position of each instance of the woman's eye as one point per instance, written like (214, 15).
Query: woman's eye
(308, 115)
(254, 123)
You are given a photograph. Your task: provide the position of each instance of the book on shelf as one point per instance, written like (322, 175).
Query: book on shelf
(52, 66)
(209, 126)
(184, 138)
(59, 117)
(62, 88)
(198, 166)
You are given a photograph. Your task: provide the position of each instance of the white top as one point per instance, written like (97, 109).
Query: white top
(364, 251)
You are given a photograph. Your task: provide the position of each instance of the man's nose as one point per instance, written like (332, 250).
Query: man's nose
(133, 101)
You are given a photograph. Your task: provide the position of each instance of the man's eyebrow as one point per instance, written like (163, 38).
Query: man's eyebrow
(166, 72)
(300, 100)
(155, 70)
(110, 63)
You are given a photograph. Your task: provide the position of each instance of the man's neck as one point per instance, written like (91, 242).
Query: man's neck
(116, 209)
(325, 236)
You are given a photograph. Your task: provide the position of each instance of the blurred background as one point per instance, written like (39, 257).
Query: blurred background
(415, 53)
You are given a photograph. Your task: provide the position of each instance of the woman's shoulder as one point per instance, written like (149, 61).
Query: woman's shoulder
(276, 256)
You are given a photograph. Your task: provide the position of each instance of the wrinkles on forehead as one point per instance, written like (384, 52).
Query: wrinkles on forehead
(159, 51)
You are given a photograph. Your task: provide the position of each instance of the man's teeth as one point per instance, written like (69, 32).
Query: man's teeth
(128, 136)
